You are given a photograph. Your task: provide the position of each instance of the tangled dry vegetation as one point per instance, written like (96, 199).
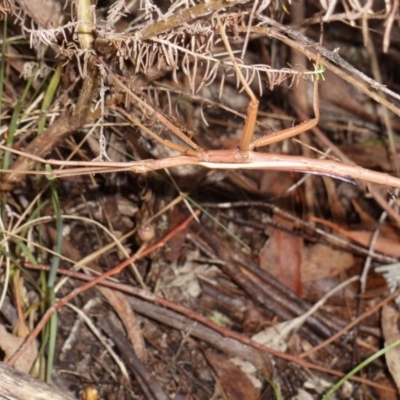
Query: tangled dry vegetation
(149, 142)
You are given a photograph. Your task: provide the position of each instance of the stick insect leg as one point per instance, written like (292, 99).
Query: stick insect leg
(295, 130)
(164, 142)
(193, 151)
(252, 109)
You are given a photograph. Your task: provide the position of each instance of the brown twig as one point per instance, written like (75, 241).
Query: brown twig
(110, 45)
(312, 50)
(146, 379)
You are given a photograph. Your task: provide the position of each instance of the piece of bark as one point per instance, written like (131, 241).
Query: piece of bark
(15, 385)
(391, 333)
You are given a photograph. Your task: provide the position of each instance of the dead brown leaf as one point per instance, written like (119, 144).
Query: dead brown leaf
(10, 343)
(281, 256)
(46, 13)
(391, 333)
(321, 261)
(234, 382)
(286, 258)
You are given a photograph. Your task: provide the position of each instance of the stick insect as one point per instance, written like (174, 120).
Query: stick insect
(242, 157)
(247, 142)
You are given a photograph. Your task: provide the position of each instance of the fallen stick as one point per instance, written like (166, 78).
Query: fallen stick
(15, 385)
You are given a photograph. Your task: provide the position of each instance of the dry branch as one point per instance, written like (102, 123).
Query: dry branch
(15, 385)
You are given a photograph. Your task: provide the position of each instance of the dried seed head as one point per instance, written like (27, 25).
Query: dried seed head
(146, 232)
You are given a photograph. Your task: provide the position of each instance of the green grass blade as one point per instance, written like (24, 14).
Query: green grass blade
(360, 367)
(3, 64)
(14, 121)
(48, 97)
(55, 263)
